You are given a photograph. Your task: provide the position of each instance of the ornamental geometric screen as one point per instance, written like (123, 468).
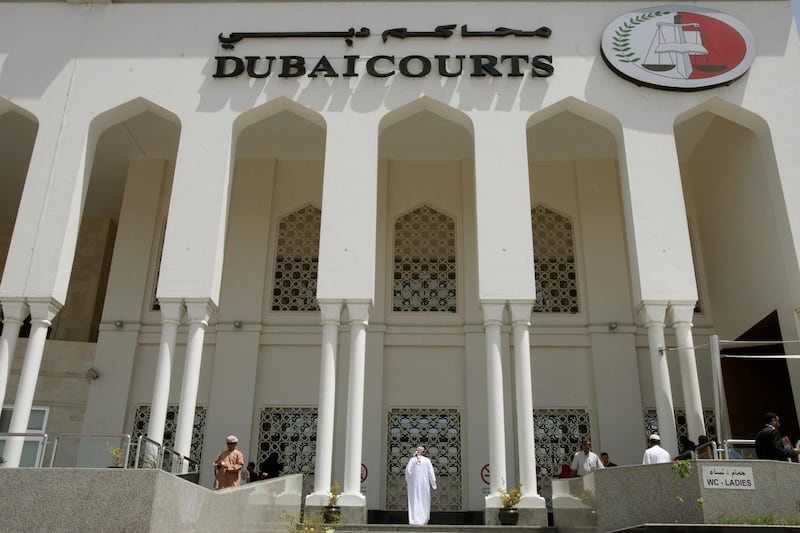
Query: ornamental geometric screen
(296, 261)
(439, 430)
(141, 418)
(424, 262)
(554, 262)
(709, 421)
(292, 433)
(557, 434)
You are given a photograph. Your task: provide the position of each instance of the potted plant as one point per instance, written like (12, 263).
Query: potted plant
(508, 514)
(332, 512)
(116, 455)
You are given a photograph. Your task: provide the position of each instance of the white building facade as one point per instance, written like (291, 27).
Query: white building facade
(340, 230)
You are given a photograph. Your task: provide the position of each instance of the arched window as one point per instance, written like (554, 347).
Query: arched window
(424, 262)
(554, 262)
(297, 261)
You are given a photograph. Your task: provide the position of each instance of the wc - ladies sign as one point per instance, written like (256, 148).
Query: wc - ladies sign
(681, 48)
(385, 65)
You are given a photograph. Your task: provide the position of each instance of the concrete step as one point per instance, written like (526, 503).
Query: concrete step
(439, 528)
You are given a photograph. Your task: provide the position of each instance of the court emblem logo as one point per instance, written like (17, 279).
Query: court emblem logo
(679, 48)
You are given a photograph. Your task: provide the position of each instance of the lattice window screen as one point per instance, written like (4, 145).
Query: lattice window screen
(558, 433)
(141, 419)
(297, 261)
(709, 420)
(292, 433)
(439, 430)
(554, 262)
(425, 262)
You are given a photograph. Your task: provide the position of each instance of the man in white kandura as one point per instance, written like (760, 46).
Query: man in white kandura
(654, 453)
(420, 479)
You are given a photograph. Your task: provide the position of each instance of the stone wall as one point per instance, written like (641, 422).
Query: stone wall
(96, 500)
(616, 498)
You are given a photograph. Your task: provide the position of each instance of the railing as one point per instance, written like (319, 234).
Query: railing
(41, 448)
(87, 453)
(162, 457)
(739, 449)
(707, 450)
(148, 459)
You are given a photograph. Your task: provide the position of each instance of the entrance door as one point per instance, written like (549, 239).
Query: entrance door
(439, 431)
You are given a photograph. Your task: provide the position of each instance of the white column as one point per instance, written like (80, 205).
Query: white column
(171, 313)
(520, 322)
(652, 315)
(197, 314)
(681, 317)
(14, 313)
(492, 321)
(331, 313)
(359, 318)
(42, 313)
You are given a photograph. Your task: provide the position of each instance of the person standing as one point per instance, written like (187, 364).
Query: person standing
(606, 460)
(585, 460)
(228, 465)
(420, 479)
(769, 443)
(654, 453)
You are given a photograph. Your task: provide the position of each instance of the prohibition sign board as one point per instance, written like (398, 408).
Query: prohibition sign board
(364, 472)
(485, 474)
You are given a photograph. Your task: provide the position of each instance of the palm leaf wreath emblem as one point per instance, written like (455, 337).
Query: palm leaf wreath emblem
(621, 41)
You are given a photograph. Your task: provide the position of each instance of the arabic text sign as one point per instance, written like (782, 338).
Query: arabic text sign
(728, 477)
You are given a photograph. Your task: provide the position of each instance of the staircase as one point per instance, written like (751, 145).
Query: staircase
(441, 522)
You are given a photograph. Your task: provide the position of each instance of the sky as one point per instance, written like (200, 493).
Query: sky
(796, 9)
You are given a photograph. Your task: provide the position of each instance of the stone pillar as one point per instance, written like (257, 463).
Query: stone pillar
(359, 318)
(197, 314)
(171, 313)
(492, 321)
(42, 313)
(14, 313)
(323, 465)
(652, 315)
(681, 317)
(520, 322)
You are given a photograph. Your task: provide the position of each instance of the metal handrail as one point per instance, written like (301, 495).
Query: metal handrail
(730, 443)
(125, 436)
(710, 444)
(180, 457)
(162, 450)
(42, 436)
(159, 454)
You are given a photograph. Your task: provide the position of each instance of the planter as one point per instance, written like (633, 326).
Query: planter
(508, 516)
(332, 514)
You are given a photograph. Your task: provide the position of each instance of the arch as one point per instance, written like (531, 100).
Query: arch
(426, 129)
(426, 103)
(128, 110)
(745, 255)
(272, 108)
(18, 131)
(578, 122)
(280, 129)
(7, 106)
(133, 140)
(582, 109)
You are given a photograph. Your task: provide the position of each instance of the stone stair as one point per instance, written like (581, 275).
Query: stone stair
(441, 522)
(439, 528)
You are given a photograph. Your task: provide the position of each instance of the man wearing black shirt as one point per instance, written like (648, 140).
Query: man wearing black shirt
(769, 444)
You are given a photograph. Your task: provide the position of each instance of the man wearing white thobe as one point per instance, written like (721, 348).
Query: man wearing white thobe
(420, 480)
(655, 454)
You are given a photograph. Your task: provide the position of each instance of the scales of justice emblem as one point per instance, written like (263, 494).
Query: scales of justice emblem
(678, 48)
